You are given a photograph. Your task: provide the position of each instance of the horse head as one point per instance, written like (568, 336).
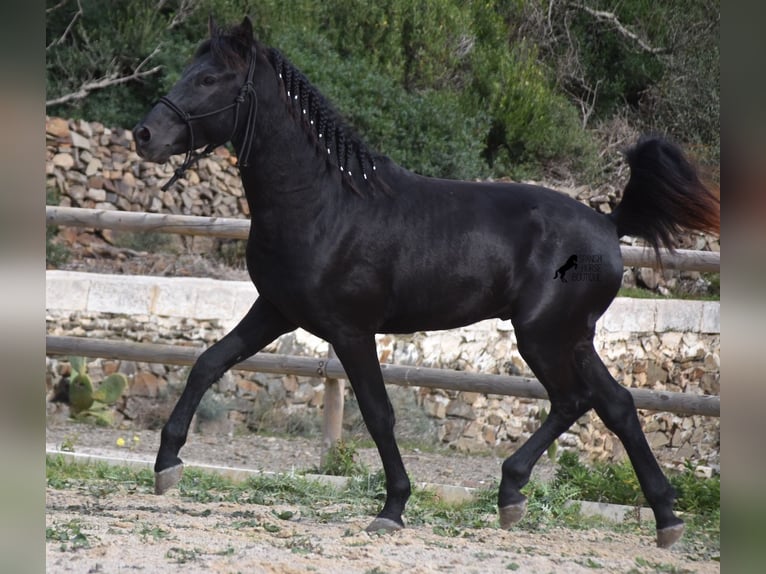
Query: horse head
(213, 102)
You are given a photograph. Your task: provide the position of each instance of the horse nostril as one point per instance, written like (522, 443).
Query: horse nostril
(143, 134)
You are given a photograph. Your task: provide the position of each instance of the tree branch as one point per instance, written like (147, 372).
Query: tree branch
(612, 19)
(112, 79)
(185, 9)
(71, 23)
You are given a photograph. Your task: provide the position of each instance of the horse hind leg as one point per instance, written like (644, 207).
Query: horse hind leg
(517, 468)
(614, 405)
(554, 367)
(261, 325)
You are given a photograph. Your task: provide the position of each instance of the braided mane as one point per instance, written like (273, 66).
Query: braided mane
(334, 138)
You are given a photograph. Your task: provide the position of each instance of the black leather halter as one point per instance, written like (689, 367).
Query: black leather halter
(246, 91)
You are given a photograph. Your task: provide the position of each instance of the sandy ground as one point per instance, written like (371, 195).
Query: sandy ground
(134, 531)
(128, 532)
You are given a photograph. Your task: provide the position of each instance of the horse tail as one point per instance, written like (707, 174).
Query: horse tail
(664, 196)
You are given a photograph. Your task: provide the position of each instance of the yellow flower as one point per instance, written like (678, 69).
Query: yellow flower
(120, 441)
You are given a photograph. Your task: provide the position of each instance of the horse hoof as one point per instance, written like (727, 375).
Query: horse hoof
(511, 514)
(384, 526)
(666, 537)
(166, 479)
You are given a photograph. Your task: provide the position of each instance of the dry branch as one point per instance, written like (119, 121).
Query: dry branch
(112, 79)
(611, 18)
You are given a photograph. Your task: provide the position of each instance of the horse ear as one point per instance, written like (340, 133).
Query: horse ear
(212, 27)
(246, 28)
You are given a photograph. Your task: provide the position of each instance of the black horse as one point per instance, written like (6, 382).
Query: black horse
(346, 244)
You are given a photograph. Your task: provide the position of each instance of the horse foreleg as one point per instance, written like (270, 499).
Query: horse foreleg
(260, 326)
(360, 360)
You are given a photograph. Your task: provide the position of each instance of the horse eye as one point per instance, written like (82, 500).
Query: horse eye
(208, 80)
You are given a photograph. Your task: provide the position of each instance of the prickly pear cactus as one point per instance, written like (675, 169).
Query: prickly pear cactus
(111, 388)
(80, 393)
(89, 404)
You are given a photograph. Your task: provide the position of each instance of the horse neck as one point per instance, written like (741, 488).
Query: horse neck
(284, 170)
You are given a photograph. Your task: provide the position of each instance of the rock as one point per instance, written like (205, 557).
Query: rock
(57, 127)
(459, 409)
(146, 384)
(93, 167)
(96, 194)
(63, 160)
(79, 141)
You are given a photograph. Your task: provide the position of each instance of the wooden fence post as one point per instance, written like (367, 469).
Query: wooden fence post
(332, 421)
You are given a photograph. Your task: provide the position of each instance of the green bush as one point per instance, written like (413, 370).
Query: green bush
(617, 483)
(445, 87)
(427, 131)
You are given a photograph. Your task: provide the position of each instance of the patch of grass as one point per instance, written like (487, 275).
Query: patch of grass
(155, 533)
(617, 483)
(61, 474)
(547, 505)
(365, 493)
(711, 293)
(69, 534)
(341, 460)
(182, 555)
(150, 241)
(644, 565)
(698, 498)
(56, 254)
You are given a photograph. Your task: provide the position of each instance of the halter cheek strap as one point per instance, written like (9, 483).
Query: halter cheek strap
(247, 91)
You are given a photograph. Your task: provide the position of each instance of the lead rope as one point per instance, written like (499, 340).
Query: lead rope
(192, 157)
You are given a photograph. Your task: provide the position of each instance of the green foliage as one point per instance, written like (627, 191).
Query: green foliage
(55, 253)
(91, 404)
(617, 483)
(695, 494)
(341, 460)
(70, 534)
(445, 87)
(143, 241)
(547, 503)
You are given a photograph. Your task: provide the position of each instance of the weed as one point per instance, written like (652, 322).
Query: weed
(156, 533)
(651, 566)
(182, 555)
(228, 551)
(68, 443)
(617, 483)
(69, 534)
(56, 254)
(152, 242)
(547, 504)
(340, 460)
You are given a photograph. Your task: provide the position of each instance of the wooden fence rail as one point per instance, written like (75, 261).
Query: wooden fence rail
(232, 228)
(330, 368)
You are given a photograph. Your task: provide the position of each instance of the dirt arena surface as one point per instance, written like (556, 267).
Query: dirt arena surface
(129, 530)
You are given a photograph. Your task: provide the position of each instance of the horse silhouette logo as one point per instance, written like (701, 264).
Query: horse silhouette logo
(561, 271)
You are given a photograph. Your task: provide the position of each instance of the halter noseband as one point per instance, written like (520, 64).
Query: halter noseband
(246, 91)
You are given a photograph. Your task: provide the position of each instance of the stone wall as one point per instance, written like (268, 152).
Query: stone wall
(647, 344)
(659, 344)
